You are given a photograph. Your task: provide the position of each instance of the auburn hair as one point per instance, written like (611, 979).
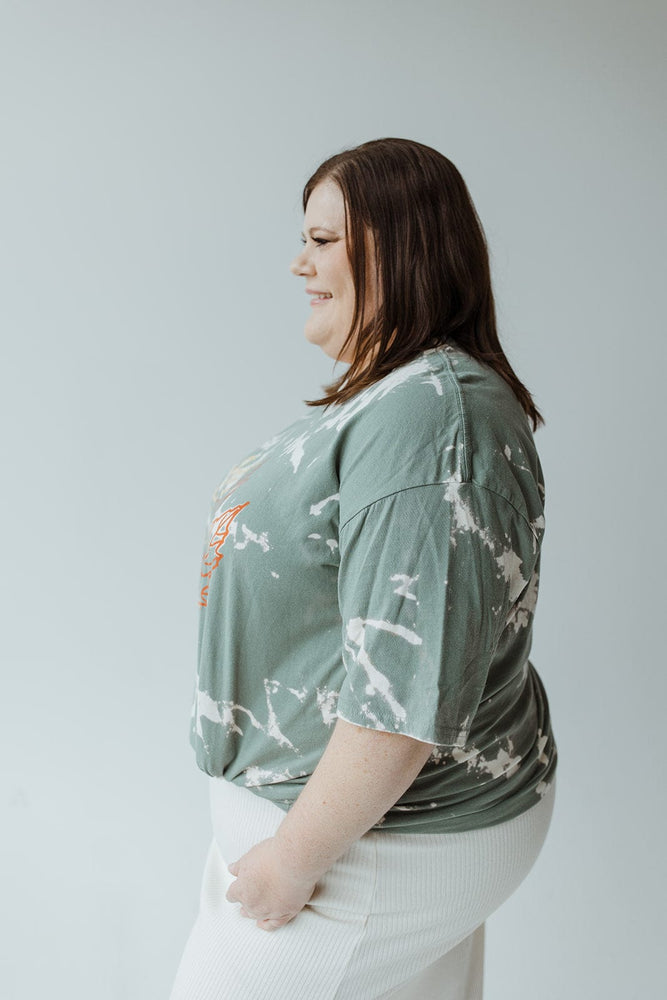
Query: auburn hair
(432, 264)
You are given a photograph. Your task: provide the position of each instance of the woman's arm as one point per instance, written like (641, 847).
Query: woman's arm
(360, 775)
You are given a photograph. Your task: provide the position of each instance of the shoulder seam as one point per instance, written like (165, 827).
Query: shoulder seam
(443, 483)
(509, 503)
(459, 402)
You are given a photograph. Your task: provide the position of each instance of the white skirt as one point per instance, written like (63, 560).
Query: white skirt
(398, 915)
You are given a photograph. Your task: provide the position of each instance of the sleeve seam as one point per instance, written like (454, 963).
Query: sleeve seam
(419, 486)
(393, 493)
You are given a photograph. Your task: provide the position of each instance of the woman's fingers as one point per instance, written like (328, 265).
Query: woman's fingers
(271, 925)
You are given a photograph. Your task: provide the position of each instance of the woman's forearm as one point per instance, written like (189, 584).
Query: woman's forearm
(360, 775)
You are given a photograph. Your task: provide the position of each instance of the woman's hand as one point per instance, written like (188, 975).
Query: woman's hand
(267, 892)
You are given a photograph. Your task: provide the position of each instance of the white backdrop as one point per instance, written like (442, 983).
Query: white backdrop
(153, 156)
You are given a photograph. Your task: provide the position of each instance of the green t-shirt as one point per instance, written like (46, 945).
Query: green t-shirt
(379, 561)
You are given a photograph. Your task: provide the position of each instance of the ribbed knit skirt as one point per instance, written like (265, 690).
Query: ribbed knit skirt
(398, 915)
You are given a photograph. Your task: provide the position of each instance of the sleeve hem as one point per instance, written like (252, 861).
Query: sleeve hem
(459, 740)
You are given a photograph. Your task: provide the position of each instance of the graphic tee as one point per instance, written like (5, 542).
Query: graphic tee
(379, 561)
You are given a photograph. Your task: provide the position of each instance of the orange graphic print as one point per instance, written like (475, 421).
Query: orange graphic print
(213, 555)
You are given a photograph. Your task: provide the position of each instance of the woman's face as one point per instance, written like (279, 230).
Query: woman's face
(323, 263)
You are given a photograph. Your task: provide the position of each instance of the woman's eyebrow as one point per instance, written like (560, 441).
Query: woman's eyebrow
(322, 229)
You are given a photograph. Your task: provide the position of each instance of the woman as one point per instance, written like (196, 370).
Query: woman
(381, 760)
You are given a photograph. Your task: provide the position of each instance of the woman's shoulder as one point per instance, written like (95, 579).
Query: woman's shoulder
(500, 452)
(442, 416)
(440, 389)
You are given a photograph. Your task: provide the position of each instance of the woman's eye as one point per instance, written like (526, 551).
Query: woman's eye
(318, 240)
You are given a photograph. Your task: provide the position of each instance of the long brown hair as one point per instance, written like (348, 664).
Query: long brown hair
(432, 261)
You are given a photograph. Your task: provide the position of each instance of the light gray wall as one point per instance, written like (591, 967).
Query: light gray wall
(153, 156)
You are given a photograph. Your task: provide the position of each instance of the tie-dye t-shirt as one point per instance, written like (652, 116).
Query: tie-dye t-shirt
(379, 561)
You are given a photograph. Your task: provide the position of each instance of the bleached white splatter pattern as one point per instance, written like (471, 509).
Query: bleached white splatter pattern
(314, 535)
(463, 732)
(300, 694)
(505, 763)
(326, 702)
(274, 574)
(520, 615)
(457, 752)
(294, 449)
(509, 563)
(256, 776)
(356, 629)
(502, 764)
(537, 527)
(542, 741)
(272, 727)
(405, 582)
(378, 683)
(229, 719)
(206, 707)
(332, 543)
(463, 518)
(434, 381)
(252, 536)
(517, 465)
(379, 389)
(508, 452)
(462, 755)
(224, 714)
(365, 708)
(317, 508)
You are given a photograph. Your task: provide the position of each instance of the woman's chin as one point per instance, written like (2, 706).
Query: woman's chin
(330, 346)
(318, 339)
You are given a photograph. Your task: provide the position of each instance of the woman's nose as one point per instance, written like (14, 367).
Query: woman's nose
(301, 265)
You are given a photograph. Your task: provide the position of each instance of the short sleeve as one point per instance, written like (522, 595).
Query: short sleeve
(427, 579)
